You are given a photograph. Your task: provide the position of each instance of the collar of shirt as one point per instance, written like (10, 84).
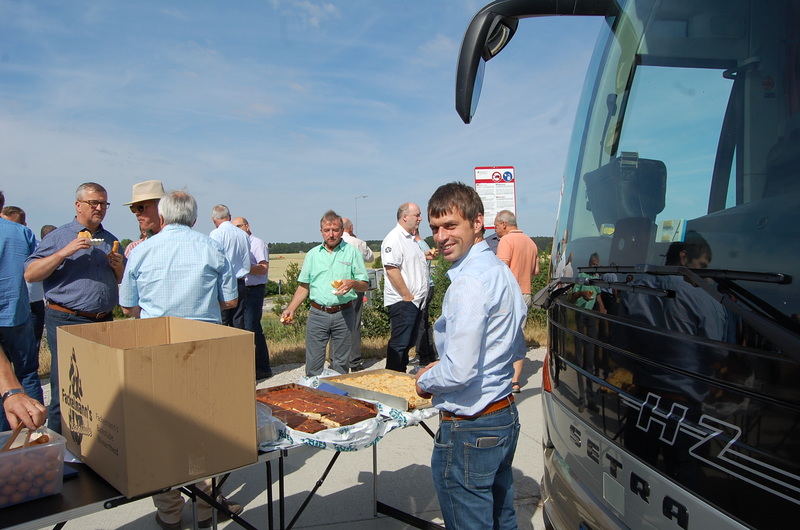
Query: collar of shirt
(462, 263)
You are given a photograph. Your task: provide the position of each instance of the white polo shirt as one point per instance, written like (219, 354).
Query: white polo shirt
(399, 249)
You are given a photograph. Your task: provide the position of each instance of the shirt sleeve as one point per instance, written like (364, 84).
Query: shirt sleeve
(391, 252)
(128, 293)
(260, 251)
(227, 290)
(359, 269)
(467, 317)
(504, 250)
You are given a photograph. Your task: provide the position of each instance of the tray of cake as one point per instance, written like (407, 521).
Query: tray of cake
(396, 389)
(310, 410)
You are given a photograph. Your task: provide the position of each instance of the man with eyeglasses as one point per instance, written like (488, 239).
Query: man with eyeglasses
(80, 276)
(144, 205)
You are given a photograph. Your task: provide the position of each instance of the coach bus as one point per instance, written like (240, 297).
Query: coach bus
(672, 380)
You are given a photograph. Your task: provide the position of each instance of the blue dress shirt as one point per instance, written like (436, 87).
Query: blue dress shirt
(84, 281)
(479, 335)
(16, 244)
(178, 272)
(236, 245)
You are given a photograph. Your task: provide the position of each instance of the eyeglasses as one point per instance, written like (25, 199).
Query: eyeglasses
(94, 204)
(138, 208)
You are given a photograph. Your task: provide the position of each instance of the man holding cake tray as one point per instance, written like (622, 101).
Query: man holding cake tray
(479, 336)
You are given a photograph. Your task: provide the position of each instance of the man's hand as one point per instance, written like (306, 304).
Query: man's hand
(287, 317)
(344, 287)
(116, 262)
(79, 243)
(25, 409)
(421, 393)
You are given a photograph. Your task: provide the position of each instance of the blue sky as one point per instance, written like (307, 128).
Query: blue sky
(279, 109)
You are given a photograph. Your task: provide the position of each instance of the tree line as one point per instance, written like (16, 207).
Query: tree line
(544, 243)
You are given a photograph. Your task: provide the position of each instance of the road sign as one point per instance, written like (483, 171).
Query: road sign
(497, 188)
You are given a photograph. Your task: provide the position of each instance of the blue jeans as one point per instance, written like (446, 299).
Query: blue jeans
(404, 320)
(475, 484)
(19, 343)
(253, 311)
(322, 327)
(52, 320)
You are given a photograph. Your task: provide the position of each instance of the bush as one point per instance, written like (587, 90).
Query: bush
(282, 300)
(272, 288)
(374, 317)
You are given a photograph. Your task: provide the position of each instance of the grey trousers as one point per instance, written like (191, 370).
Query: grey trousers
(321, 328)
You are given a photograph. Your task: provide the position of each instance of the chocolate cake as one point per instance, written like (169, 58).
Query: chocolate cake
(310, 410)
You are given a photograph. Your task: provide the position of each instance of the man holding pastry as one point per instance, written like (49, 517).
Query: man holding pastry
(479, 336)
(80, 269)
(332, 273)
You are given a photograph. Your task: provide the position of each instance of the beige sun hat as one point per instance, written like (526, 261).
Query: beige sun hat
(148, 190)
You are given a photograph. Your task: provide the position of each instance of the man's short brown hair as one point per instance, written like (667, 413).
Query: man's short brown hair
(455, 196)
(331, 217)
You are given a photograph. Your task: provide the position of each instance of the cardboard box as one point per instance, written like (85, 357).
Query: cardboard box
(28, 473)
(154, 403)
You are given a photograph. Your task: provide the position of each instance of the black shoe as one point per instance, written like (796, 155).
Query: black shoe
(233, 507)
(264, 375)
(358, 367)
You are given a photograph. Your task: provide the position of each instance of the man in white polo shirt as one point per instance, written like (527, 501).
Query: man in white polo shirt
(405, 286)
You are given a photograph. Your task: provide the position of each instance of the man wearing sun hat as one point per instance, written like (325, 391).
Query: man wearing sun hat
(144, 205)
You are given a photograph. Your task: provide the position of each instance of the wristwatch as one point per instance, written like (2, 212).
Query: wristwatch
(11, 392)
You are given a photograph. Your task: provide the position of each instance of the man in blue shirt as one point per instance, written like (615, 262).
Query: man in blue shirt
(236, 246)
(16, 329)
(478, 336)
(80, 276)
(179, 273)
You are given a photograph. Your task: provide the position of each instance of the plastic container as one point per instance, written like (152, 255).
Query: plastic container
(33, 472)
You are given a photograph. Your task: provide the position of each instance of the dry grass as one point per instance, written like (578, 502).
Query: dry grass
(287, 352)
(375, 348)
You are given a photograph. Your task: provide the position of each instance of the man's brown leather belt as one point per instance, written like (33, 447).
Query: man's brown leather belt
(500, 404)
(331, 308)
(84, 314)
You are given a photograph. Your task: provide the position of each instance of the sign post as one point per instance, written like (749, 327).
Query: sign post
(497, 188)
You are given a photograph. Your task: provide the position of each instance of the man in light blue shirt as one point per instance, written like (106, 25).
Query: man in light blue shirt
(479, 336)
(179, 273)
(236, 246)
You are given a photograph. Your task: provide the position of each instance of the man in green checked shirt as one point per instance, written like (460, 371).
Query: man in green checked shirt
(332, 274)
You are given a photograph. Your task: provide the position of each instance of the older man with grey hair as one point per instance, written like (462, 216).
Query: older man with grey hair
(180, 273)
(80, 271)
(236, 246)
